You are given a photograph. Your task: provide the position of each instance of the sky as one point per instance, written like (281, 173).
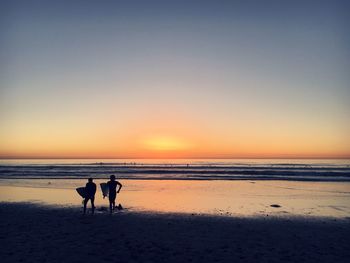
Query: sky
(174, 79)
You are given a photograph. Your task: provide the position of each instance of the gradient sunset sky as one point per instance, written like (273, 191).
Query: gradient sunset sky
(174, 79)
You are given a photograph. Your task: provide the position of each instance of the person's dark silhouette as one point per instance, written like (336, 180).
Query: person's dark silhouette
(112, 186)
(90, 190)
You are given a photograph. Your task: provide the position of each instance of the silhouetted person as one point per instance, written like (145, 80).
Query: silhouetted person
(112, 186)
(90, 190)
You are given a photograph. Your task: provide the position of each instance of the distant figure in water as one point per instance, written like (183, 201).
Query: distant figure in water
(112, 186)
(90, 190)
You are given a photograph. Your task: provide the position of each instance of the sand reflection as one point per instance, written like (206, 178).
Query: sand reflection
(212, 197)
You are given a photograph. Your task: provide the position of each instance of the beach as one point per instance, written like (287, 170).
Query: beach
(176, 220)
(42, 233)
(219, 130)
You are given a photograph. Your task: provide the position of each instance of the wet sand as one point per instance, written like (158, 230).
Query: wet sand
(34, 233)
(234, 198)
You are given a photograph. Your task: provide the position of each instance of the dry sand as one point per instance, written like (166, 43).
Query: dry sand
(34, 233)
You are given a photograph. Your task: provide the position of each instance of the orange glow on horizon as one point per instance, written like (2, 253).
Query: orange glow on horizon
(164, 137)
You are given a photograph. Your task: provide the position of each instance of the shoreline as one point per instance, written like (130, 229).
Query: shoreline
(36, 233)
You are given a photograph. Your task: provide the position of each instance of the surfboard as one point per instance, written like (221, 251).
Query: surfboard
(81, 191)
(104, 189)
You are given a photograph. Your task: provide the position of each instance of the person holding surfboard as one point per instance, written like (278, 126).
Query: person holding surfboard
(112, 187)
(90, 190)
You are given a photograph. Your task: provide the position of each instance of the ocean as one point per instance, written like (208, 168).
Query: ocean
(178, 169)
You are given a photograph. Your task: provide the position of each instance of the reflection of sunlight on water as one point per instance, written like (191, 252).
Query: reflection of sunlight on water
(214, 197)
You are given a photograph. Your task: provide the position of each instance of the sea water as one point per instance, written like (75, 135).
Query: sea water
(180, 169)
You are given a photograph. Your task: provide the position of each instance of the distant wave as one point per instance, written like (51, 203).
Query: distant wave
(207, 171)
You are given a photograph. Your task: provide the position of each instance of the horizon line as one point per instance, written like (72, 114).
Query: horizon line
(166, 158)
